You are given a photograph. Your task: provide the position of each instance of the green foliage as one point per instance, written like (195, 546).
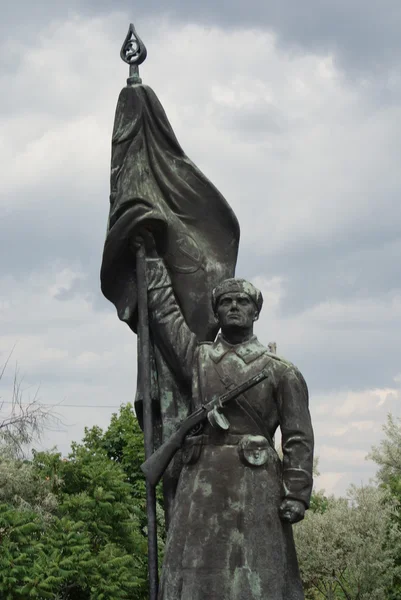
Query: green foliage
(388, 457)
(74, 528)
(123, 443)
(319, 503)
(97, 492)
(40, 557)
(22, 488)
(388, 454)
(349, 550)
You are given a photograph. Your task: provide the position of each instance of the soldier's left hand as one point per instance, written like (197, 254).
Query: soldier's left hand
(292, 511)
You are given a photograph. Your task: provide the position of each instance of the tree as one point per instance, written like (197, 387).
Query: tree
(388, 457)
(73, 528)
(123, 444)
(94, 493)
(23, 489)
(41, 559)
(349, 550)
(71, 532)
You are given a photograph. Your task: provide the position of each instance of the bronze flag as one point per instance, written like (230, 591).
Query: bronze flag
(154, 184)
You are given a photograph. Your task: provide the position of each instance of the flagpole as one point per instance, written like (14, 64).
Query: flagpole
(133, 52)
(144, 381)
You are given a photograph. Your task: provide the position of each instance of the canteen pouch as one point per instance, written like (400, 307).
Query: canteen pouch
(254, 450)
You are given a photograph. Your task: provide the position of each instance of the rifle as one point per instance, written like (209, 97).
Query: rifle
(157, 463)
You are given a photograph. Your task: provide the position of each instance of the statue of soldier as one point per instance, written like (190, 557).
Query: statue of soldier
(230, 537)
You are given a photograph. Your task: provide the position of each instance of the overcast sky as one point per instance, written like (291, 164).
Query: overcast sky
(293, 110)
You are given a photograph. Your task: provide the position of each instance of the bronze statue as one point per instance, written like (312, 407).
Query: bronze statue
(230, 533)
(212, 404)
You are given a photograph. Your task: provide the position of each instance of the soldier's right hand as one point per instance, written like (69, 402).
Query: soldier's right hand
(145, 238)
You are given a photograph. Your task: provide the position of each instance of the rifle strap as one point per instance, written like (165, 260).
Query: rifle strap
(245, 405)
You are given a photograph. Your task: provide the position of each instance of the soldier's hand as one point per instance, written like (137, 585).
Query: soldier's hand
(292, 511)
(146, 239)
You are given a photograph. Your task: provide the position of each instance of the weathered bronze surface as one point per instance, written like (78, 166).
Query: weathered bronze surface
(231, 501)
(153, 183)
(230, 532)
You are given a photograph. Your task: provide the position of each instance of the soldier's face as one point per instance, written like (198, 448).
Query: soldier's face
(236, 310)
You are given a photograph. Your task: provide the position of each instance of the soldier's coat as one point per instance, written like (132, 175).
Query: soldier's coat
(226, 540)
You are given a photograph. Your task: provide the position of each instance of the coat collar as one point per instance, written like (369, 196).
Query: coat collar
(247, 351)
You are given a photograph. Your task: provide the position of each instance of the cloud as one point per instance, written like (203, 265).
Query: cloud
(335, 347)
(330, 482)
(307, 157)
(81, 362)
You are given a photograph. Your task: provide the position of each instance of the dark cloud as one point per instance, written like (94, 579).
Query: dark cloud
(364, 36)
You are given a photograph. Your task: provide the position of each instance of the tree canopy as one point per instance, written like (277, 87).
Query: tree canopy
(74, 528)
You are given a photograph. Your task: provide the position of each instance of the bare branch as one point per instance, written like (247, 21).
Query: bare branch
(7, 361)
(24, 422)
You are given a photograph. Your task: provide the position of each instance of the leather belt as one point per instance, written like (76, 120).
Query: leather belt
(222, 439)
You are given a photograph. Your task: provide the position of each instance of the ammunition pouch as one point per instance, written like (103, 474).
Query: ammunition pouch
(192, 449)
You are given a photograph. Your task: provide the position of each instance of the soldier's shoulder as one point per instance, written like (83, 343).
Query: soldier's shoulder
(286, 369)
(279, 360)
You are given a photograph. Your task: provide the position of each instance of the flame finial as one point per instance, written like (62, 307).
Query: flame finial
(133, 52)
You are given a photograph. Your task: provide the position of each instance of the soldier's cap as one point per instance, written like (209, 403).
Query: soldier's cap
(237, 285)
